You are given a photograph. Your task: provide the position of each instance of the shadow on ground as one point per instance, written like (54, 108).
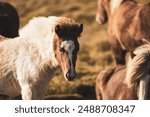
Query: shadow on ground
(84, 92)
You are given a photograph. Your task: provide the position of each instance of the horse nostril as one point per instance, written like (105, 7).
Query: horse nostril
(67, 76)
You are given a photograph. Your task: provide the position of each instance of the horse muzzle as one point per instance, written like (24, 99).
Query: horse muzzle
(70, 76)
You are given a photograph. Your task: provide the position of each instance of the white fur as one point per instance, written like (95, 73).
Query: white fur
(143, 88)
(27, 63)
(40, 27)
(69, 47)
(115, 4)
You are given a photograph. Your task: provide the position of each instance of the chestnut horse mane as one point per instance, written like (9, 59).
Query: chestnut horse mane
(139, 66)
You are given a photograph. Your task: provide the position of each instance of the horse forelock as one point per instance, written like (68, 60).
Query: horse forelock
(69, 27)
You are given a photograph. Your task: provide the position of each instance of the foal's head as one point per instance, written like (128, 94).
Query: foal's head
(67, 46)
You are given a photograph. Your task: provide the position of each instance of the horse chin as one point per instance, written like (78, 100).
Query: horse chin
(69, 79)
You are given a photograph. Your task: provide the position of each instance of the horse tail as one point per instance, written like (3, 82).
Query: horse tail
(138, 67)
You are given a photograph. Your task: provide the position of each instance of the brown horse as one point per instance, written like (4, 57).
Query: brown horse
(9, 20)
(124, 83)
(128, 25)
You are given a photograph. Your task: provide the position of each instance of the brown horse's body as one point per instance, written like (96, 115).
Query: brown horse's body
(128, 28)
(110, 85)
(124, 83)
(9, 20)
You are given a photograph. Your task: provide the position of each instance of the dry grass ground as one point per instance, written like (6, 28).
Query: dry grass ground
(95, 53)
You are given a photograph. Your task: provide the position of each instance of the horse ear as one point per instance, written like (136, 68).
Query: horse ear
(80, 29)
(58, 30)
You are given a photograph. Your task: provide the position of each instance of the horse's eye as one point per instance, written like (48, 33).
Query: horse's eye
(62, 50)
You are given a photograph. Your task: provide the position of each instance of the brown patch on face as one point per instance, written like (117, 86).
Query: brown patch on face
(69, 32)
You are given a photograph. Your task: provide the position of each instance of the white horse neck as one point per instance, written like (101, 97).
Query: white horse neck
(36, 28)
(40, 32)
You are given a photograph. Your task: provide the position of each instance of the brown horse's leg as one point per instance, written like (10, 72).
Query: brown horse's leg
(98, 93)
(98, 87)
